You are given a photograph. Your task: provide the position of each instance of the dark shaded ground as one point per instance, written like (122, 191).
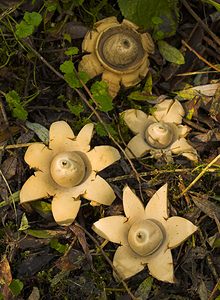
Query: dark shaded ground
(77, 270)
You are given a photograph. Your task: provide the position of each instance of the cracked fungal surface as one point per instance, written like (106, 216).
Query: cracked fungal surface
(118, 52)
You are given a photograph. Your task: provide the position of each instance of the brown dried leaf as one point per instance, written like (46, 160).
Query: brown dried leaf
(5, 278)
(72, 261)
(207, 207)
(7, 132)
(35, 294)
(9, 167)
(210, 135)
(192, 107)
(215, 106)
(82, 240)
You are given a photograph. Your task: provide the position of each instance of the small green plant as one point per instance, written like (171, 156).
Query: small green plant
(16, 286)
(170, 53)
(29, 23)
(71, 77)
(99, 91)
(16, 106)
(161, 17)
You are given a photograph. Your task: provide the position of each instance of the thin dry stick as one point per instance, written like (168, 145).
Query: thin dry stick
(199, 20)
(108, 260)
(216, 287)
(200, 57)
(199, 176)
(15, 146)
(104, 125)
(158, 172)
(83, 97)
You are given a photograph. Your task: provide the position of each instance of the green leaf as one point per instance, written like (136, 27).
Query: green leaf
(170, 53)
(161, 16)
(72, 51)
(83, 76)
(70, 75)
(73, 81)
(51, 5)
(101, 131)
(67, 37)
(28, 24)
(42, 207)
(39, 130)
(42, 234)
(15, 105)
(24, 30)
(67, 67)
(99, 90)
(144, 288)
(55, 244)
(75, 109)
(16, 286)
(78, 2)
(213, 3)
(33, 18)
(24, 223)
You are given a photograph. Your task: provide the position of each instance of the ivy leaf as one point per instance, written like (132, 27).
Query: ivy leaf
(72, 51)
(67, 67)
(162, 17)
(170, 53)
(51, 5)
(15, 105)
(33, 18)
(101, 131)
(24, 30)
(83, 76)
(70, 75)
(75, 109)
(99, 90)
(28, 24)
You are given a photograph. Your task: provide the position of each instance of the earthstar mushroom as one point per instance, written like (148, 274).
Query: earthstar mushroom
(66, 170)
(118, 51)
(146, 235)
(159, 133)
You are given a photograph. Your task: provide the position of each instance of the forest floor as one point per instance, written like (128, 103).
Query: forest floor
(39, 258)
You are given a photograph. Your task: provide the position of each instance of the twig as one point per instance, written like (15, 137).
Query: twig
(84, 99)
(194, 125)
(199, 176)
(199, 20)
(157, 172)
(216, 287)
(82, 96)
(200, 57)
(15, 146)
(108, 261)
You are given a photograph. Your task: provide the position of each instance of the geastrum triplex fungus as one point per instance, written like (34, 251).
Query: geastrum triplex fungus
(118, 52)
(146, 235)
(160, 133)
(66, 170)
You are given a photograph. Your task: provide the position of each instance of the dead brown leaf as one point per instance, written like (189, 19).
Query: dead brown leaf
(72, 261)
(5, 278)
(209, 208)
(80, 234)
